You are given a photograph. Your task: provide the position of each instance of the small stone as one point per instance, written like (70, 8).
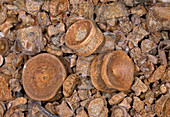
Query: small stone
(83, 94)
(84, 103)
(158, 17)
(149, 97)
(66, 49)
(126, 103)
(36, 110)
(128, 2)
(162, 56)
(43, 19)
(147, 68)
(70, 84)
(82, 8)
(63, 110)
(111, 11)
(104, 112)
(58, 6)
(138, 105)
(82, 113)
(158, 73)
(5, 93)
(117, 98)
(118, 111)
(136, 53)
(33, 6)
(148, 45)
(52, 49)
(160, 105)
(83, 67)
(50, 107)
(17, 101)
(108, 44)
(139, 87)
(73, 101)
(164, 88)
(165, 35)
(54, 30)
(155, 36)
(95, 107)
(126, 26)
(27, 20)
(45, 6)
(15, 85)
(30, 40)
(139, 10)
(85, 83)
(137, 34)
(152, 59)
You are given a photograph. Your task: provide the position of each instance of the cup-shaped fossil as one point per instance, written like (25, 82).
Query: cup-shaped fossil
(112, 71)
(96, 74)
(83, 37)
(117, 70)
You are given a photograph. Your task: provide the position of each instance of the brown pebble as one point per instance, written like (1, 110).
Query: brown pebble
(30, 40)
(117, 98)
(95, 107)
(118, 111)
(69, 84)
(4, 89)
(63, 110)
(138, 105)
(158, 73)
(139, 87)
(58, 6)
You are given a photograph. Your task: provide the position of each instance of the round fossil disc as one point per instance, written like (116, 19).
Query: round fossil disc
(43, 76)
(96, 75)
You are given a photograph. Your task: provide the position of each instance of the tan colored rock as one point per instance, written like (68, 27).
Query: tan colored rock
(161, 106)
(54, 30)
(70, 84)
(158, 17)
(149, 97)
(139, 87)
(82, 114)
(158, 73)
(126, 103)
(138, 105)
(118, 111)
(73, 101)
(63, 110)
(117, 98)
(5, 93)
(95, 107)
(111, 11)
